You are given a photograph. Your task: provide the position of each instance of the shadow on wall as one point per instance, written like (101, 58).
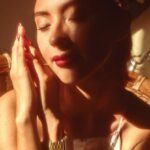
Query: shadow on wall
(11, 13)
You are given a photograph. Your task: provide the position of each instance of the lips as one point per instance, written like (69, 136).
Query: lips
(64, 60)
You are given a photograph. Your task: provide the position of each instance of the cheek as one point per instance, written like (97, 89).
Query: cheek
(85, 39)
(41, 38)
(92, 43)
(43, 46)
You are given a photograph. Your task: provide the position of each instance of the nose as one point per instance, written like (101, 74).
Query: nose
(59, 37)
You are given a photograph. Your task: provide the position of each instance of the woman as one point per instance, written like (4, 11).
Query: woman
(70, 94)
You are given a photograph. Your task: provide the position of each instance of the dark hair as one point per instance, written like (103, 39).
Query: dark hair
(119, 18)
(121, 50)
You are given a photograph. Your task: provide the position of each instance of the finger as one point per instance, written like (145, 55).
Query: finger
(20, 32)
(42, 78)
(40, 57)
(29, 62)
(36, 53)
(27, 43)
(21, 49)
(14, 54)
(39, 69)
(32, 50)
(44, 74)
(21, 56)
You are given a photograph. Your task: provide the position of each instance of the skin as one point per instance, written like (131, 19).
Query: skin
(62, 29)
(58, 97)
(59, 23)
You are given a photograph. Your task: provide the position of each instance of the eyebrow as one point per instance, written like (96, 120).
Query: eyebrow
(73, 2)
(41, 13)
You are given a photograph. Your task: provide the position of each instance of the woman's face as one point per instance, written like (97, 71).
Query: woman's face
(71, 37)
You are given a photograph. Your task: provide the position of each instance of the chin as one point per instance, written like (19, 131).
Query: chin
(68, 80)
(67, 76)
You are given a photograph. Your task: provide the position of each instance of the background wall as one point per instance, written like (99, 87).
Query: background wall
(11, 13)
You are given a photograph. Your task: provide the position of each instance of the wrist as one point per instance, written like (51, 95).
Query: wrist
(54, 125)
(52, 118)
(62, 144)
(56, 131)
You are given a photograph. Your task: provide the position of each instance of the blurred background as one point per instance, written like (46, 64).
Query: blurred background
(140, 10)
(11, 13)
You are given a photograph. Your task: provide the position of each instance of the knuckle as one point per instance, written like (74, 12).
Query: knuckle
(17, 74)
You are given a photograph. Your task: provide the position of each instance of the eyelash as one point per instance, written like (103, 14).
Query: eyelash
(44, 28)
(76, 18)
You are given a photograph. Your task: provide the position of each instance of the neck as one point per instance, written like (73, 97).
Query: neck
(100, 88)
(93, 102)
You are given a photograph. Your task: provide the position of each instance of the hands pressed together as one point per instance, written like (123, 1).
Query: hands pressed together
(36, 90)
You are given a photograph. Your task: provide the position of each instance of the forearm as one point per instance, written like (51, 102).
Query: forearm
(54, 125)
(27, 134)
(25, 94)
(26, 124)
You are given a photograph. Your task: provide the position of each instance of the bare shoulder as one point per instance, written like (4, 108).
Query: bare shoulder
(143, 145)
(135, 137)
(7, 103)
(7, 99)
(7, 121)
(142, 136)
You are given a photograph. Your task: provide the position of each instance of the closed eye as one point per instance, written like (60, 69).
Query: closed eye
(79, 16)
(44, 28)
(76, 18)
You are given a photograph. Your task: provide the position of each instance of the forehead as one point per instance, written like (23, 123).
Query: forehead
(53, 4)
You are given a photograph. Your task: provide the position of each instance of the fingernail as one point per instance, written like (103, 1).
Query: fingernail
(19, 24)
(21, 29)
(32, 50)
(18, 34)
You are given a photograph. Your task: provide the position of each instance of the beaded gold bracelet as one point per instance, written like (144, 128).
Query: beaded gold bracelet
(59, 145)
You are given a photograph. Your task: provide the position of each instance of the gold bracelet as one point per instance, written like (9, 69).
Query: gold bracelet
(59, 145)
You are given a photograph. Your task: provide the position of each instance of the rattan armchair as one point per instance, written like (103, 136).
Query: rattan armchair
(5, 82)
